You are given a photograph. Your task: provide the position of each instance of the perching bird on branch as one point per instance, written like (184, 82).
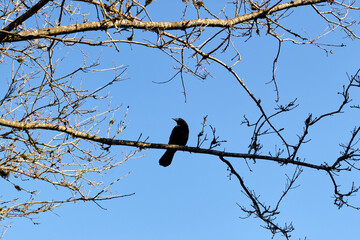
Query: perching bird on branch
(179, 136)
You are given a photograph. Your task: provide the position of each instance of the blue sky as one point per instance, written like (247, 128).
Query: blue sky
(194, 198)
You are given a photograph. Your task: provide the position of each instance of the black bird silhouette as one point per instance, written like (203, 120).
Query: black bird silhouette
(179, 136)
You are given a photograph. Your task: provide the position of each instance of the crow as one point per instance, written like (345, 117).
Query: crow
(179, 136)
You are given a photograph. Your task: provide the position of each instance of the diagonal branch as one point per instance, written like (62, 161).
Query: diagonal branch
(23, 17)
(264, 213)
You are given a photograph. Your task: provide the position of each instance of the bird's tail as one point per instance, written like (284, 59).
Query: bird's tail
(166, 159)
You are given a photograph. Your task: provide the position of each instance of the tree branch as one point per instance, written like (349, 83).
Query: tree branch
(110, 141)
(22, 18)
(120, 22)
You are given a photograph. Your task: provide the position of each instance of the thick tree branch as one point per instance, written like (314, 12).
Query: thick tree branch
(23, 17)
(133, 23)
(110, 141)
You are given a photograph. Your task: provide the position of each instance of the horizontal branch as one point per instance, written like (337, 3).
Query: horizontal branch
(110, 141)
(136, 24)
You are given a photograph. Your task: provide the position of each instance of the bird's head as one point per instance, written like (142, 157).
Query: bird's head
(180, 121)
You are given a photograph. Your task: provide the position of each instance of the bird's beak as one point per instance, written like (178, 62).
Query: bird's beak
(175, 119)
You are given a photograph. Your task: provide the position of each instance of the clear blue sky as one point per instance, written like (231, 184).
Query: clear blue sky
(194, 198)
